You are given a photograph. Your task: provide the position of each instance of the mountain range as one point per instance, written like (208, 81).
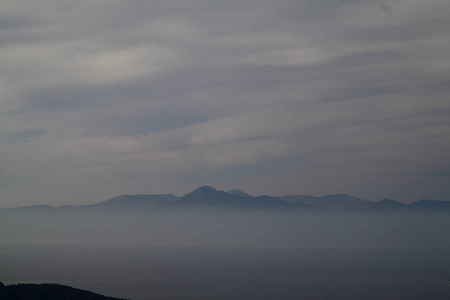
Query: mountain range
(207, 197)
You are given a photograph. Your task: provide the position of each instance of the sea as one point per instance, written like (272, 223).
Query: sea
(142, 271)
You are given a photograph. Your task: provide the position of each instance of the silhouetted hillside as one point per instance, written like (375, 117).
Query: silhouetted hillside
(46, 292)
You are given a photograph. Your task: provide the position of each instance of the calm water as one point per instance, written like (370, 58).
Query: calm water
(144, 272)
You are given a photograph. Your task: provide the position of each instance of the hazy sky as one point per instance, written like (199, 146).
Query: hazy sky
(102, 98)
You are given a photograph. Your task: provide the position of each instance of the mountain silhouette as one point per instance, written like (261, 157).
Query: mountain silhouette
(335, 201)
(239, 193)
(208, 197)
(430, 205)
(137, 201)
(388, 204)
(46, 292)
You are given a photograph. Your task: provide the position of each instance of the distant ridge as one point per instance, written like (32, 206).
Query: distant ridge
(33, 208)
(335, 201)
(138, 201)
(239, 193)
(207, 197)
(388, 204)
(427, 205)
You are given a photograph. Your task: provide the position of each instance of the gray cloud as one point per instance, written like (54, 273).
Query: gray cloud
(272, 97)
(24, 135)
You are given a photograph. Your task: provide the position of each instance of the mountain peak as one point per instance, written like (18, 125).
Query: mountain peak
(208, 196)
(204, 190)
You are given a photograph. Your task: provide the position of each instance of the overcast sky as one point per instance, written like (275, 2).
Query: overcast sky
(102, 98)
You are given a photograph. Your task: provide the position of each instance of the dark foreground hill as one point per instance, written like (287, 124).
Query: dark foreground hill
(46, 292)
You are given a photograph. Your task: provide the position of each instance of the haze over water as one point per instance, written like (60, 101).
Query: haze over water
(258, 255)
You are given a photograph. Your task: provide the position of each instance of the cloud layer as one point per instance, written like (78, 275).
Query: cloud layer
(273, 97)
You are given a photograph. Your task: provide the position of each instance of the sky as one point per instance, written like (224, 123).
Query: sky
(103, 98)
